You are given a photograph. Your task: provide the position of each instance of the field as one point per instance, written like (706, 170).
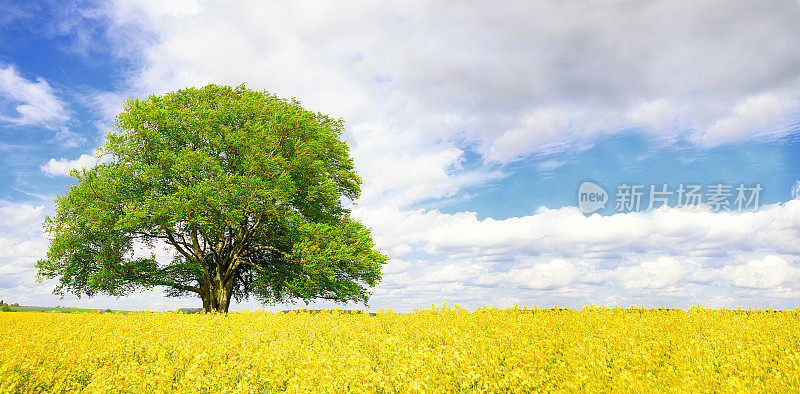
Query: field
(433, 350)
(62, 310)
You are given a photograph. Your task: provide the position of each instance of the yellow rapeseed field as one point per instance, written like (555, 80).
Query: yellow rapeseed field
(434, 350)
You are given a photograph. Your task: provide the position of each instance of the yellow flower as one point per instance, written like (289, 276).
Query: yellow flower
(441, 349)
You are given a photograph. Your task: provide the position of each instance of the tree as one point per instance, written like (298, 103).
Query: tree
(248, 190)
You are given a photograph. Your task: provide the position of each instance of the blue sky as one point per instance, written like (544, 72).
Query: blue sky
(472, 126)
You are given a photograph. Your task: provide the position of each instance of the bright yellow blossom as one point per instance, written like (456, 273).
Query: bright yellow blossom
(434, 350)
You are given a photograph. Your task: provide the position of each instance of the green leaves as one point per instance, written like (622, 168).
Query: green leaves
(246, 188)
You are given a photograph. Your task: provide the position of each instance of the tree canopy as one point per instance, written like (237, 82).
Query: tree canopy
(248, 190)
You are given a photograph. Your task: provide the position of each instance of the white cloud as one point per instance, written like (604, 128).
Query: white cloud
(63, 166)
(412, 82)
(657, 115)
(770, 272)
(549, 275)
(671, 256)
(541, 128)
(796, 190)
(21, 243)
(651, 274)
(35, 103)
(20, 218)
(406, 177)
(568, 232)
(750, 117)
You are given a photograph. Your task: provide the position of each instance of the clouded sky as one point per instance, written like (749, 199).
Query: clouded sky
(473, 125)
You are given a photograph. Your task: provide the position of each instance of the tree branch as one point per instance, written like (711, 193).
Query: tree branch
(175, 243)
(195, 243)
(179, 286)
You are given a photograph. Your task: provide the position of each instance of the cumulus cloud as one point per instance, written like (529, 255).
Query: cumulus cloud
(415, 86)
(541, 128)
(21, 243)
(521, 77)
(20, 218)
(751, 116)
(63, 166)
(549, 275)
(656, 115)
(569, 233)
(651, 274)
(770, 272)
(686, 254)
(35, 103)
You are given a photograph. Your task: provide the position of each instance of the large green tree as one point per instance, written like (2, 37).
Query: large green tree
(248, 189)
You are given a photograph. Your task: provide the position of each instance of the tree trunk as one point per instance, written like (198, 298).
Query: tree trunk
(216, 295)
(205, 295)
